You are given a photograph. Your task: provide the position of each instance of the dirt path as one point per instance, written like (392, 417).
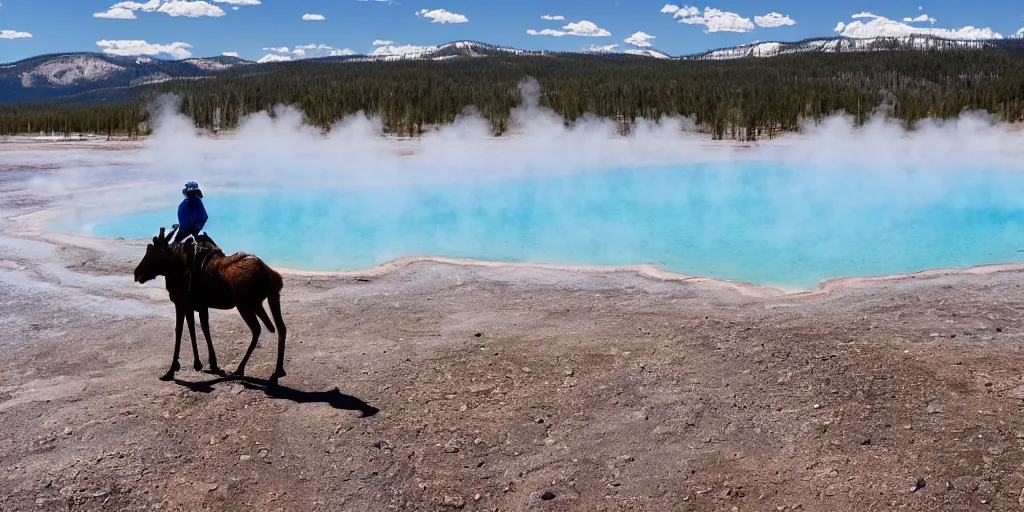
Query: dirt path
(440, 387)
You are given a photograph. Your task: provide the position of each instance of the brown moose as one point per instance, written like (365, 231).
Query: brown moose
(199, 276)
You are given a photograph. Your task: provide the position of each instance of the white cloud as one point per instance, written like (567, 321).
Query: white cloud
(308, 51)
(714, 20)
(582, 28)
(313, 17)
(442, 16)
(1020, 33)
(230, 54)
(274, 58)
(190, 9)
(601, 49)
(383, 42)
(585, 28)
(11, 34)
(149, 6)
(773, 20)
(312, 51)
(116, 13)
(186, 8)
(641, 39)
(880, 26)
(550, 17)
(133, 48)
(920, 19)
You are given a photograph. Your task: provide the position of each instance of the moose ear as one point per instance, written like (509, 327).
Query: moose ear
(161, 235)
(171, 234)
(155, 241)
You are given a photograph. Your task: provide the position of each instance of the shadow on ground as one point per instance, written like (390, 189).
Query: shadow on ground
(334, 398)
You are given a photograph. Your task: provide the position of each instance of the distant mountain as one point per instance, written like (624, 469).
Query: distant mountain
(85, 76)
(50, 76)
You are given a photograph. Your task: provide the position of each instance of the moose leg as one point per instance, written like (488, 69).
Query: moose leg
(274, 300)
(262, 313)
(204, 322)
(179, 315)
(249, 316)
(190, 317)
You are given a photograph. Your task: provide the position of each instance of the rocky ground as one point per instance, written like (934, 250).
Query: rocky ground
(437, 386)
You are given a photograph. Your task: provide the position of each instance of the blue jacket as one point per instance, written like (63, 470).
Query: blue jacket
(191, 215)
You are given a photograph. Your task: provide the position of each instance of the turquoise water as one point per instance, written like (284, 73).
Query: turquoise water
(763, 223)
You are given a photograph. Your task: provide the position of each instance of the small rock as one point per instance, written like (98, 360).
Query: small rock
(479, 334)
(817, 406)
(244, 457)
(539, 420)
(919, 484)
(67, 431)
(934, 409)
(568, 373)
(547, 496)
(451, 448)
(453, 502)
(476, 497)
(998, 329)
(526, 370)
(865, 442)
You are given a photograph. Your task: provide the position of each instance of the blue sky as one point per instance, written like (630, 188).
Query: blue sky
(251, 28)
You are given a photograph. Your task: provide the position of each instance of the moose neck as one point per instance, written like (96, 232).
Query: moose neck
(178, 263)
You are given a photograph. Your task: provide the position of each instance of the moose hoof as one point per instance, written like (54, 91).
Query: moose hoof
(170, 373)
(216, 370)
(277, 375)
(198, 365)
(238, 373)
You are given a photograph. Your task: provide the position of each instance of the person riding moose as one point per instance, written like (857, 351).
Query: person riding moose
(192, 215)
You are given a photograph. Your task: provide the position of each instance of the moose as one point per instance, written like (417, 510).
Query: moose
(199, 276)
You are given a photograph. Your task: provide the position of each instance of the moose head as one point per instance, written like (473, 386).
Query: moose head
(158, 259)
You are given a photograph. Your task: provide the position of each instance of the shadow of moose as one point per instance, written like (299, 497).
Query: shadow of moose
(333, 398)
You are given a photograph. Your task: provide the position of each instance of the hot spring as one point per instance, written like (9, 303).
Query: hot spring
(765, 223)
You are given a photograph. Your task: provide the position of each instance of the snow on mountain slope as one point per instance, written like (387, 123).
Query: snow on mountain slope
(441, 52)
(211, 64)
(647, 53)
(839, 44)
(69, 70)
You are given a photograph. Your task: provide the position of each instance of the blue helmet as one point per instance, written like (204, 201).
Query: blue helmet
(192, 189)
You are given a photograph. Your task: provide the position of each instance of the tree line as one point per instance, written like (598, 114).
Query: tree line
(746, 98)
